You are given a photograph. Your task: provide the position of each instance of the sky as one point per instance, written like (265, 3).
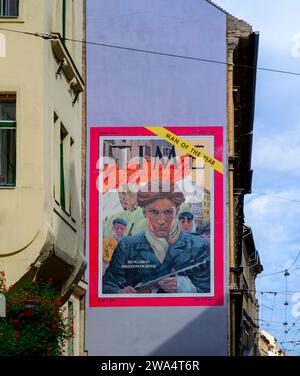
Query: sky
(273, 209)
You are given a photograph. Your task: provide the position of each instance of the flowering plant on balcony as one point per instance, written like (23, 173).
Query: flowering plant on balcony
(2, 283)
(35, 323)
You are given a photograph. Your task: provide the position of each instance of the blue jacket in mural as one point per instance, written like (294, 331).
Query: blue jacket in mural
(134, 261)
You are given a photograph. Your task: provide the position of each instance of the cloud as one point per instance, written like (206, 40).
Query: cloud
(276, 23)
(278, 152)
(275, 224)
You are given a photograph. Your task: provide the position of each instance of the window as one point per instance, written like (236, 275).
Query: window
(64, 184)
(7, 140)
(62, 159)
(72, 184)
(9, 8)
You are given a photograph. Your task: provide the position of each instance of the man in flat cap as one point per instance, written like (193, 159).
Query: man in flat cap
(162, 248)
(110, 244)
(130, 212)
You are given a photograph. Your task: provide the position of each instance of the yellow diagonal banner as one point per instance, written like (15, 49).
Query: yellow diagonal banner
(180, 143)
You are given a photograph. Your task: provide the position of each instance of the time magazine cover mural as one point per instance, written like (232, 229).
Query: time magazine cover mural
(156, 218)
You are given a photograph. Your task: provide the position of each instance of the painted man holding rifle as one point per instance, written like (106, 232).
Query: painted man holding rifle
(162, 258)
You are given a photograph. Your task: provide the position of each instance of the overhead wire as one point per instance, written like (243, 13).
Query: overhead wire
(293, 325)
(286, 329)
(275, 196)
(268, 275)
(152, 52)
(273, 307)
(290, 268)
(284, 270)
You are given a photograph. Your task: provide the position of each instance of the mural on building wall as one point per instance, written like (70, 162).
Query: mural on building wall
(156, 219)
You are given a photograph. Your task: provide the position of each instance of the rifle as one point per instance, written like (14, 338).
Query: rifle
(147, 287)
(130, 231)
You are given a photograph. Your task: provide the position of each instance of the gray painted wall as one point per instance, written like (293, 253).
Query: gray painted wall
(133, 88)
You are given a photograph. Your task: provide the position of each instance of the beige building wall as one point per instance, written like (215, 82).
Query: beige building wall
(21, 230)
(268, 345)
(36, 233)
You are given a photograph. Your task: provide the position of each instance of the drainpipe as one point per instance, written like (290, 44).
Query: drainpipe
(232, 42)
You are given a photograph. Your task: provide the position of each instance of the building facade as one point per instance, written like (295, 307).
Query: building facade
(244, 262)
(268, 346)
(128, 88)
(248, 327)
(41, 132)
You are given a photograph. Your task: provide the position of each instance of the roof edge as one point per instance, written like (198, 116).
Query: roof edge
(246, 24)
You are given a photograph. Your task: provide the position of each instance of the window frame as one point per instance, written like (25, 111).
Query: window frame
(63, 178)
(2, 2)
(10, 125)
(15, 19)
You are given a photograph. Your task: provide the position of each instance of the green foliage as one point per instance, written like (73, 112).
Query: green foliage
(34, 323)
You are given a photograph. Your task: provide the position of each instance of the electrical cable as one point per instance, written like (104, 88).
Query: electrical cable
(132, 49)
(282, 271)
(273, 307)
(268, 275)
(275, 196)
(294, 261)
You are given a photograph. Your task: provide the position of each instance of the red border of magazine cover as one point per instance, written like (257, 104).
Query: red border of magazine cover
(215, 299)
